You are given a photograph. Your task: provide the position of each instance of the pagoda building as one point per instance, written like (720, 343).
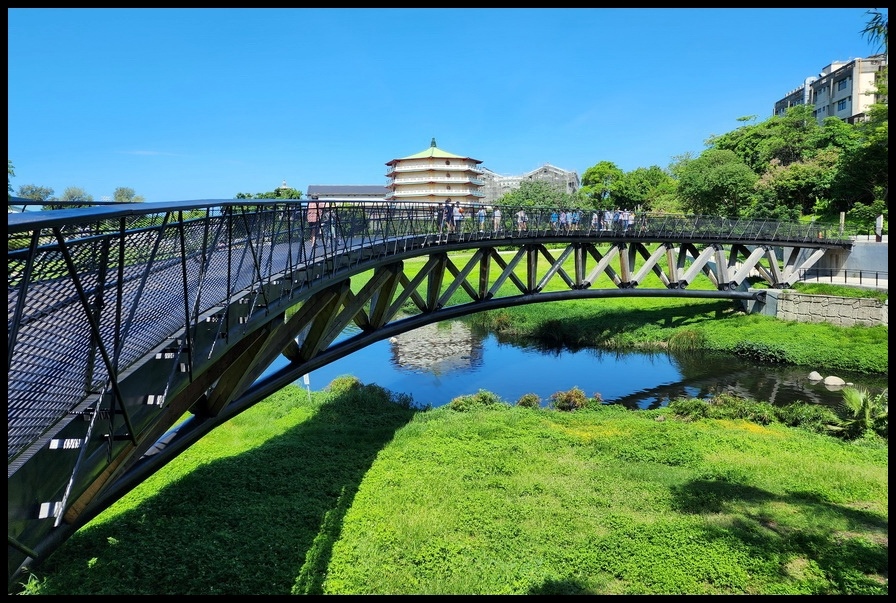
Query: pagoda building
(434, 175)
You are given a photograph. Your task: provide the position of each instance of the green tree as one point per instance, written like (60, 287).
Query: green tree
(281, 192)
(597, 184)
(42, 194)
(796, 189)
(795, 135)
(808, 168)
(865, 216)
(124, 194)
(717, 183)
(782, 139)
(538, 193)
(862, 176)
(646, 188)
(862, 182)
(837, 134)
(747, 142)
(678, 163)
(72, 196)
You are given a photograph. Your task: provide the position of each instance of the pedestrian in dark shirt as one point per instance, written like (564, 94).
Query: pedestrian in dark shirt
(448, 216)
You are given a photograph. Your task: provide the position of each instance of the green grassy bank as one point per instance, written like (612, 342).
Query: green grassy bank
(353, 491)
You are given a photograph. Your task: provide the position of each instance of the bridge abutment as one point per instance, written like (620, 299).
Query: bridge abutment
(804, 307)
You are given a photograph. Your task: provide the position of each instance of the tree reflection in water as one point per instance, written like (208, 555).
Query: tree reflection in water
(438, 362)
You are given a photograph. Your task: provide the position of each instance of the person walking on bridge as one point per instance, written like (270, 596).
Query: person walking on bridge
(313, 218)
(447, 217)
(522, 219)
(480, 217)
(458, 216)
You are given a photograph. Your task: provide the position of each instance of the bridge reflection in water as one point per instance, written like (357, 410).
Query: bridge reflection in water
(123, 318)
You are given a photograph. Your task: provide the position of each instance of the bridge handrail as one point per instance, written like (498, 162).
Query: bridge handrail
(844, 276)
(108, 218)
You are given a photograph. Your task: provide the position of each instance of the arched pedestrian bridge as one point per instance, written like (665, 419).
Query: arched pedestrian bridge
(121, 319)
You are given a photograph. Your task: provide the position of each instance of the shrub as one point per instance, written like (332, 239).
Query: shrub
(573, 399)
(763, 413)
(529, 401)
(812, 417)
(595, 400)
(344, 383)
(480, 399)
(731, 406)
(724, 406)
(689, 408)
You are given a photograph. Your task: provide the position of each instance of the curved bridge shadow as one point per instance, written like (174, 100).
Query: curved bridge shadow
(295, 511)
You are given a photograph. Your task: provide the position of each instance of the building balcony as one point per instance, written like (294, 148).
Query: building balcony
(433, 166)
(435, 192)
(435, 179)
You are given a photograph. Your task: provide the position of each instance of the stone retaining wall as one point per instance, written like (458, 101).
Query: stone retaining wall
(803, 307)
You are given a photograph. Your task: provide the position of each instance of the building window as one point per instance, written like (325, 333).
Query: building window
(841, 105)
(841, 85)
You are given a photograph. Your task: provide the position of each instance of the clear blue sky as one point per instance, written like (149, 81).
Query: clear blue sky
(185, 104)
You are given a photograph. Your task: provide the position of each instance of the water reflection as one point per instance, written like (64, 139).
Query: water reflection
(707, 375)
(438, 362)
(439, 348)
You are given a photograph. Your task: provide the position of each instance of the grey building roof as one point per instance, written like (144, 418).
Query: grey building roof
(347, 190)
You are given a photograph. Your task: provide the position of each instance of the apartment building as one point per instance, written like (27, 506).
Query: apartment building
(844, 89)
(433, 175)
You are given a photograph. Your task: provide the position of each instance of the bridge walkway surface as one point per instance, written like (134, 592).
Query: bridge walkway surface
(124, 319)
